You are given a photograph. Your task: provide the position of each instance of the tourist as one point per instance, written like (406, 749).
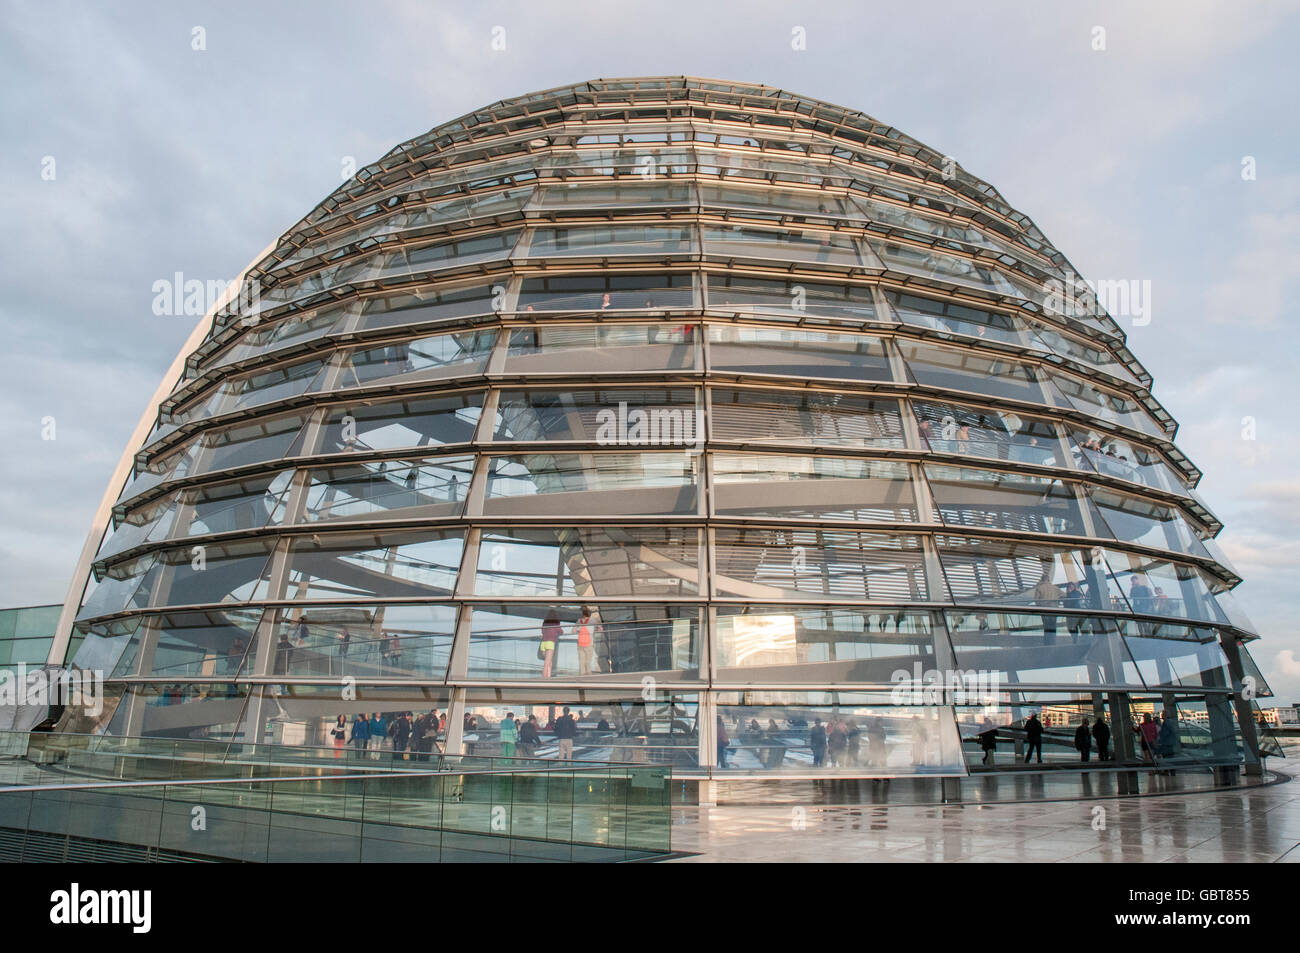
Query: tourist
(988, 736)
(509, 735)
(1147, 732)
(1101, 734)
(566, 729)
(360, 733)
(586, 652)
(529, 737)
(817, 742)
(340, 735)
(550, 640)
(1083, 740)
(400, 732)
(724, 743)
(1034, 737)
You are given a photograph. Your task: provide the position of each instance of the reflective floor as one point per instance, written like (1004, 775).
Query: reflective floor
(1254, 824)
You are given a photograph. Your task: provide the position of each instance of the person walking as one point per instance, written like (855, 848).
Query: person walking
(566, 729)
(419, 729)
(724, 742)
(988, 736)
(509, 735)
(360, 734)
(1101, 734)
(1083, 740)
(1034, 737)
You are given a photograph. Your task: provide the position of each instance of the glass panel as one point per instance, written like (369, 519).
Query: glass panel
(1042, 649)
(400, 489)
(426, 305)
(614, 347)
(1174, 656)
(393, 565)
(994, 571)
(192, 710)
(784, 644)
(213, 573)
(810, 417)
(1106, 405)
(610, 240)
(563, 641)
(826, 732)
(364, 641)
(153, 519)
(932, 264)
(973, 371)
(119, 589)
(1053, 341)
(456, 254)
(654, 728)
(1133, 519)
(256, 441)
(245, 504)
(278, 383)
(998, 435)
(641, 417)
(1157, 586)
(602, 292)
(836, 488)
(108, 647)
(953, 318)
(436, 356)
(807, 245)
(794, 563)
(412, 423)
(1015, 501)
(200, 644)
(776, 203)
(793, 299)
(601, 484)
(1119, 458)
(589, 562)
(290, 331)
(591, 195)
(791, 353)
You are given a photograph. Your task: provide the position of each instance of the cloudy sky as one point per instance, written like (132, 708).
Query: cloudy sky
(168, 158)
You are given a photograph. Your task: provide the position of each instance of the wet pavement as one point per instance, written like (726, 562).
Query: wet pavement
(1259, 824)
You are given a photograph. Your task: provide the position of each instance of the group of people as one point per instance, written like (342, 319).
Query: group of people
(585, 632)
(412, 738)
(1156, 739)
(522, 738)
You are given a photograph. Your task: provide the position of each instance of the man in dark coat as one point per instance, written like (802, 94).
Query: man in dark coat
(1083, 740)
(1101, 734)
(1034, 735)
